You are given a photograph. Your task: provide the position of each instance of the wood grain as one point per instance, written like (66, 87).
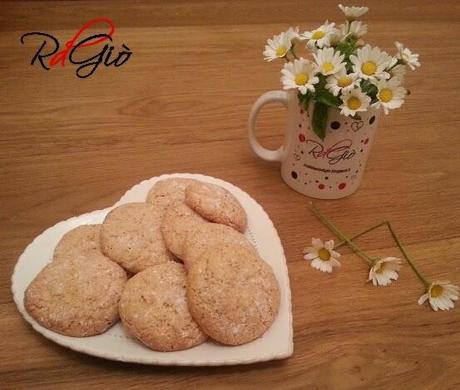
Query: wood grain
(68, 146)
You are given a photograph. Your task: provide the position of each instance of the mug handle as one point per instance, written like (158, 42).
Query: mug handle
(259, 150)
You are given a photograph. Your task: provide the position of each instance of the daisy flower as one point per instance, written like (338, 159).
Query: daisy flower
(440, 295)
(299, 74)
(370, 63)
(322, 256)
(329, 62)
(384, 271)
(321, 36)
(352, 13)
(354, 101)
(355, 28)
(277, 47)
(406, 56)
(390, 94)
(341, 81)
(398, 71)
(293, 33)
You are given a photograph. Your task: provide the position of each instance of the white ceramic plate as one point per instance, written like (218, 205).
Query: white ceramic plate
(116, 344)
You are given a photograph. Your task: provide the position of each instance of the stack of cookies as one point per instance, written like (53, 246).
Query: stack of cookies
(176, 269)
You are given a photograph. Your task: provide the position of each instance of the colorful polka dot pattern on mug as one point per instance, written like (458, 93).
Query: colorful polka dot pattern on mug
(331, 168)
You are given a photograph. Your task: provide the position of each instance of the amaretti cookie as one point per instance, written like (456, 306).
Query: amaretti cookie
(77, 296)
(80, 240)
(233, 294)
(211, 234)
(167, 191)
(154, 309)
(131, 236)
(178, 222)
(216, 204)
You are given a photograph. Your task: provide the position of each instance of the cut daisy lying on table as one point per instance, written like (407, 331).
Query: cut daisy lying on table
(342, 71)
(383, 270)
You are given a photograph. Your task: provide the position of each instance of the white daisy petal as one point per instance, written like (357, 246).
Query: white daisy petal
(440, 295)
(320, 37)
(390, 94)
(384, 271)
(384, 281)
(299, 74)
(370, 63)
(321, 255)
(423, 299)
(355, 29)
(335, 254)
(398, 71)
(352, 13)
(406, 56)
(335, 263)
(310, 256)
(446, 302)
(342, 82)
(329, 245)
(327, 267)
(317, 243)
(316, 263)
(309, 249)
(354, 101)
(277, 47)
(329, 61)
(293, 33)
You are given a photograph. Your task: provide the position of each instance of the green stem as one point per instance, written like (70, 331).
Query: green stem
(342, 243)
(293, 52)
(341, 235)
(412, 265)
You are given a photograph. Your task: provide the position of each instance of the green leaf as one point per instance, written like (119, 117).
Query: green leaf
(327, 98)
(304, 99)
(347, 48)
(319, 120)
(370, 89)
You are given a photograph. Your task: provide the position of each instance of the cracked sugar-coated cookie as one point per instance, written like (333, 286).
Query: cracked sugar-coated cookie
(167, 191)
(154, 309)
(216, 204)
(78, 241)
(233, 294)
(131, 236)
(179, 221)
(211, 234)
(78, 295)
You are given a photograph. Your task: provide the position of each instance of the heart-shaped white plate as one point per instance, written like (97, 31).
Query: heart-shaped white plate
(117, 344)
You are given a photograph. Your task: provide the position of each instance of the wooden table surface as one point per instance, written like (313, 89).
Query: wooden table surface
(180, 104)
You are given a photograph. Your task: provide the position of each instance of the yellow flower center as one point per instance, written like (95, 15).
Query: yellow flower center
(324, 254)
(369, 68)
(353, 103)
(436, 291)
(281, 51)
(344, 81)
(318, 35)
(301, 79)
(381, 269)
(385, 95)
(328, 67)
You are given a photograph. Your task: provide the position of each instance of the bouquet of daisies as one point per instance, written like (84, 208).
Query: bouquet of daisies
(345, 72)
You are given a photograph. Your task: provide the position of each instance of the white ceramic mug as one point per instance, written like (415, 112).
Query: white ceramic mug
(328, 169)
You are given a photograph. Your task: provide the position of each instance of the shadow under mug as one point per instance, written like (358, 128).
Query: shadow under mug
(329, 169)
